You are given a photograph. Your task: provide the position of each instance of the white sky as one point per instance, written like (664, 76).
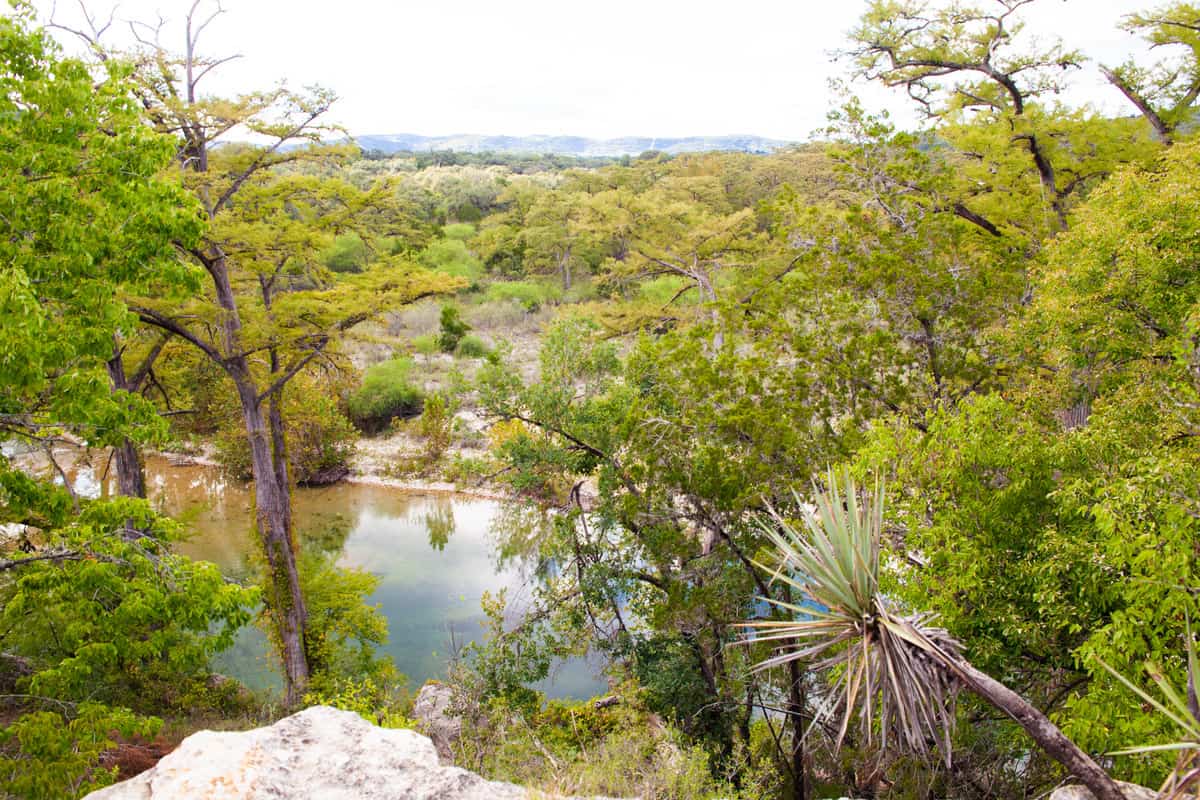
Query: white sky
(600, 69)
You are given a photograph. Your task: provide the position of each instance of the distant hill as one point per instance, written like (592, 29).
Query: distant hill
(566, 145)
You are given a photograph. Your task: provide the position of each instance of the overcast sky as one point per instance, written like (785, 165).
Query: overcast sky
(600, 69)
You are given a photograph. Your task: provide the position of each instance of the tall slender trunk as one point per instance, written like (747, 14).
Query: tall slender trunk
(278, 437)
(708, 293)
(272, 514)
(795, 708)
(1044, 732)
(564, 266)
(131, 479)
(272, 496)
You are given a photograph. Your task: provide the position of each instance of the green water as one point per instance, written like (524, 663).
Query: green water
(435, 556)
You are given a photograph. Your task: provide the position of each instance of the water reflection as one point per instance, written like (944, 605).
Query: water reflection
(435, 556)
(440, 524)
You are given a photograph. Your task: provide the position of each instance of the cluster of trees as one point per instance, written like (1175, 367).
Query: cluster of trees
(142, 263)
(995, 317)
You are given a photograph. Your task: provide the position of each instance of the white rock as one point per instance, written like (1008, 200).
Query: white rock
(319, 754)
(431, 709)
(1131, 791)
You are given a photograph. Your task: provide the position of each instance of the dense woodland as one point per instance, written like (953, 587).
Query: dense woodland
(869, 467)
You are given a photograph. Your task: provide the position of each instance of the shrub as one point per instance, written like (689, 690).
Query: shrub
(506, 430)
(529, 295)
(384, 704)
(426, 344)
(662, 289)
(384, 395)
(436, 425)
(343, 631)
(466, 469)
(58, 756)
(452, 257)
(348, 253)
(319, 437)
(460, 231)
(453, 327)
(471, 347)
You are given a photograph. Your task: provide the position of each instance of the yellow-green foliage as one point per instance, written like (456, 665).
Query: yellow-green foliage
(343, 631)
(57, 756)
(471, 347)
(319, 436)
(385, 704)
(436, 426)
(504, 430)
(386, 393)
(451, 257)
(573, 747)
(528, 294)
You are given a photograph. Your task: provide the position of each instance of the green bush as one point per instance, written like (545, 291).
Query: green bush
(348, 253)
(58, 756)
(459, 230)
(426, 344)
(452, 257)
(662, 289)
(454, 328)
(319, 437)
(436, 426)
(384, 395)
(531, 296)
(471, 347)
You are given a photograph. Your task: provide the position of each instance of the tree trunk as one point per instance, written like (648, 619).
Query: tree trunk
(131, 479)
(272, 501)
(278, 436)
(795, 707)
(1041, 730)
(708, 293)
(564, 265)
(131, 476)
(272, 497)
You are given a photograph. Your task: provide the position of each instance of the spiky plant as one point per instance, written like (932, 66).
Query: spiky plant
(885, 663)
(892, 669)
(1183, 710)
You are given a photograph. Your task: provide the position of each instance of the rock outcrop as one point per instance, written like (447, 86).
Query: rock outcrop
(431, 709)
(1131, 791)
(320, 753)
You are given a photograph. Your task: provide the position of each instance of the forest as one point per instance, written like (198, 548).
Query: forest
(866, 468)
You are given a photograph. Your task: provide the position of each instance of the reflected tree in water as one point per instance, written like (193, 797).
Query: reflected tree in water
(439, 524)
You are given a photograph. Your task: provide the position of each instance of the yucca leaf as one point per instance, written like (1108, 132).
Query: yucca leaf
(1144, 695)
(879, 659)
(1155, 748)
(1173, 697)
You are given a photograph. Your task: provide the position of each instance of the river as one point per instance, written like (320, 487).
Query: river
(435, 555)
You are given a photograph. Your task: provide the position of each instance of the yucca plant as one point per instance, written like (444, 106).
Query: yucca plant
(1183, 710)
(891, 668)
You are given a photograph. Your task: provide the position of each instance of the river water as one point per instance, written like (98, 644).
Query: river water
(435, 556)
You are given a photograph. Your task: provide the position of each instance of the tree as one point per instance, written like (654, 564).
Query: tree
(98, 615)
(84, 219)
(966, 67)
(899, 288)
(1164, 94)
(682, 443)
(265, 300)
(1047, 514)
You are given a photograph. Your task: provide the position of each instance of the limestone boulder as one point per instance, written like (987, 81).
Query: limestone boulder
(320, 753)
(1131, 791)
(432, 710)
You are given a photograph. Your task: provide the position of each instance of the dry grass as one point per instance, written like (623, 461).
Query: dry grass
(415, 320)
